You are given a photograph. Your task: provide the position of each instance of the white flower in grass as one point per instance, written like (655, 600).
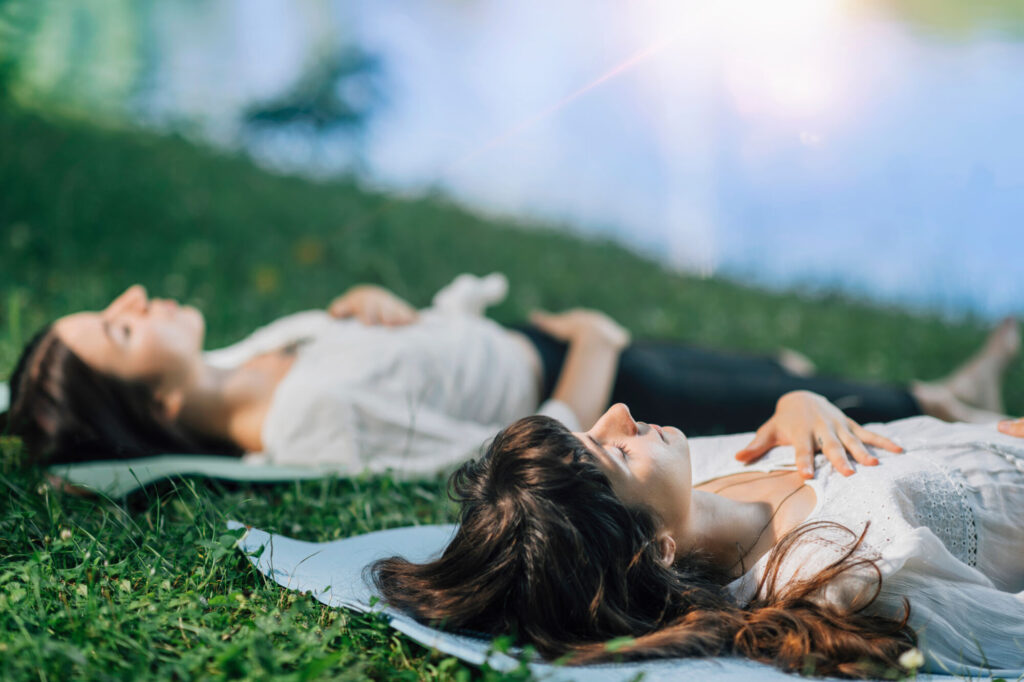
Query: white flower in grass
(912, 659)
(65, 534)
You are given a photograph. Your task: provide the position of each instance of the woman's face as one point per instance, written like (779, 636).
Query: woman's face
(137, 338)
(647, 465)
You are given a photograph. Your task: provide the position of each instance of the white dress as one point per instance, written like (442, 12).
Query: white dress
(946, 528)
(414, 399)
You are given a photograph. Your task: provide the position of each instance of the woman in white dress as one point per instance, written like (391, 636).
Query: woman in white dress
(372, 384)
(626, 540)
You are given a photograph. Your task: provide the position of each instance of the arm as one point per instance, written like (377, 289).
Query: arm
(595, 342)
(811, 424)
(372, 305)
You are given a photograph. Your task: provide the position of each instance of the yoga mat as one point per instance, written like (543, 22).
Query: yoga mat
(466, 294)
(117, 478)
(333, 573)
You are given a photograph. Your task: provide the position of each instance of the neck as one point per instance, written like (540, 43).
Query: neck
(217, 402)
(727, 529)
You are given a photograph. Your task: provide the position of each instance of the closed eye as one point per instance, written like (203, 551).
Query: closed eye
(623, 449)
(607, 453)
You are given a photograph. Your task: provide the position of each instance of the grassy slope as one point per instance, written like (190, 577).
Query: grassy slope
(148, 587)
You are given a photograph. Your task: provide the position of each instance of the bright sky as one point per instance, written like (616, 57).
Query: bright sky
(789, 143)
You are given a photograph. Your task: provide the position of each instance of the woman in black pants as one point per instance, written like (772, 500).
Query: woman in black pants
(707, 392)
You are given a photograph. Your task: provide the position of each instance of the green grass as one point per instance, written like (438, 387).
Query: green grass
(150, 586)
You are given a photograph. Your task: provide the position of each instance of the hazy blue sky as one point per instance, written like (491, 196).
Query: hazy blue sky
(811, 143)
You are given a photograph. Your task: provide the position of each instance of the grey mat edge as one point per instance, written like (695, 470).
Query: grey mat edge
(117, 478)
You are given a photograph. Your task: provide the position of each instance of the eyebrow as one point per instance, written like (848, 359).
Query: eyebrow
(617, 463)
(597, 445)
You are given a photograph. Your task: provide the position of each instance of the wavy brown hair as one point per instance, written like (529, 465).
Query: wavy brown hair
(65, 411)
(547, 552)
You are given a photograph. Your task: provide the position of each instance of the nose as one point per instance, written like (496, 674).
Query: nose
(133, 298)
(616, 421)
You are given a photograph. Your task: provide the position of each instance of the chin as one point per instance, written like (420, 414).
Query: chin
(677, 436)
(197, 322)
(681, 444)
(684, 447)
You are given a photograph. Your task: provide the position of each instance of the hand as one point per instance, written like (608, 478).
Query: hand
(581, 324)
(372, 305)
(811, 424)
(1013, 427)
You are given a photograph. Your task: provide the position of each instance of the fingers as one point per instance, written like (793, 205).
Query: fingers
(540, 318)
(373, 308)
(397, 314)
(549, 323)
(367, 314)
(872, 438)
(341, 307)
(856, 448)
(1013, 427)
(830, 445)
(804, 452)
(385, 313)
(764, 440)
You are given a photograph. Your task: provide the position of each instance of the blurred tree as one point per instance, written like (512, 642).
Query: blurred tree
(336, 91)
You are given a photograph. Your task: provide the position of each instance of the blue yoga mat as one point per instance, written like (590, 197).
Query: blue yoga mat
(333, 573)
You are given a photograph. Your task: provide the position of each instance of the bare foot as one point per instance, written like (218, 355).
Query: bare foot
(937, 400)
(979, 381)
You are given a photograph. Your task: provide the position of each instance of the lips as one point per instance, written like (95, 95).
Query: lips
(660, 432)
(165, 305)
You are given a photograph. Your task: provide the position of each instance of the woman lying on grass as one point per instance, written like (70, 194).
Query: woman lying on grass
(373, 384)
(612, 543)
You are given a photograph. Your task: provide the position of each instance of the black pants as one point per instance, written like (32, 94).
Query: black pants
(706, 392)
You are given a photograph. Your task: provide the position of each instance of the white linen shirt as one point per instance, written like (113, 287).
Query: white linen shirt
(415, 399)
(945, 531)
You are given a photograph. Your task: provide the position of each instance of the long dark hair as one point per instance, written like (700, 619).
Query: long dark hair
(65, 411)
(547, 552)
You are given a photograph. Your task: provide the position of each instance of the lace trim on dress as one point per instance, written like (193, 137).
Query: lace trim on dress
(960, 538)
(935, 499)
(967, 549)
(964, 543)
